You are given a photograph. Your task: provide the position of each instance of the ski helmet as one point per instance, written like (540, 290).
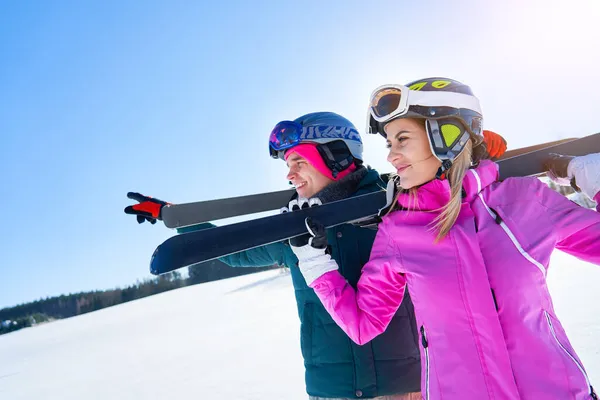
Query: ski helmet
(451, 111)
(337, 140)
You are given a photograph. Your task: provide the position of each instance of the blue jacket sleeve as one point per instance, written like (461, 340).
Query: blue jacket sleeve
(263, 256)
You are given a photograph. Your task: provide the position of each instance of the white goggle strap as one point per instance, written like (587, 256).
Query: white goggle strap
(444, 99)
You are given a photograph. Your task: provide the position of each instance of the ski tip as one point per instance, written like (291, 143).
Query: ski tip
(160, 260)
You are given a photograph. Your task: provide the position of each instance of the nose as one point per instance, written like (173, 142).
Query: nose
(392, 156)
(291, 174)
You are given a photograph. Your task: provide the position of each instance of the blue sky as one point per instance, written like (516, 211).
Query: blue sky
(176, 100)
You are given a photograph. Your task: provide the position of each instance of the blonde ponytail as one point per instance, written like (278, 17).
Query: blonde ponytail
(455, 176)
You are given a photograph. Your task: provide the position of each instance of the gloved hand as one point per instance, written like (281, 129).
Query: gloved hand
(300, 204)
(581, 172)
(149, 209)
(296, 205)
(496, 144)
(311, 249)
(315, 238)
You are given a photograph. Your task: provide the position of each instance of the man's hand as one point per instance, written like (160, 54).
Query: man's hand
(148, 209)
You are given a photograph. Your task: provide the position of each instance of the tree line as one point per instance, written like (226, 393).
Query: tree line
(65, 306)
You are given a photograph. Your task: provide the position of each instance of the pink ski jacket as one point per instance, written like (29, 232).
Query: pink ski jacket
(487, 324)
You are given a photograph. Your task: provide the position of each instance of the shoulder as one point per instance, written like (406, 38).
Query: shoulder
(517, 189)
(530, 191)
(371, 182)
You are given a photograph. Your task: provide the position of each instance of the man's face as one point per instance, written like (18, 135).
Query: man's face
(306, 179)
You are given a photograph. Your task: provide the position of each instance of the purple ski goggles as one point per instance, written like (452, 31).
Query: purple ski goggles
(288, 134)
(285, 135)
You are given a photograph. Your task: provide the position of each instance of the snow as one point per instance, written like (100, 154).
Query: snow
(232, 339)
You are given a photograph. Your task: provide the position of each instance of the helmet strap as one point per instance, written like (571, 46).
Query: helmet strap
(447, 138)
(446, 165)
(336, 156)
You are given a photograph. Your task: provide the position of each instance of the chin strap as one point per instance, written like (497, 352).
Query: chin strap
(446, 165)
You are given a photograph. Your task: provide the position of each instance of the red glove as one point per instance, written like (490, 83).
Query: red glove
(149, 209)
(496, 144)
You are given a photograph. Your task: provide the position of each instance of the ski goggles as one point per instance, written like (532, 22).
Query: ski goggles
(288, 134)
(285, 135)
(392, 101)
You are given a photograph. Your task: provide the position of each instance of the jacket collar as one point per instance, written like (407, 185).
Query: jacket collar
(477, 179)
(371, 178)
(435, 194)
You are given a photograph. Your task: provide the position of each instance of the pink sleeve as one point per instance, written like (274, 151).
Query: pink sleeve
(577, 229)
(597, 200)
(365, 312)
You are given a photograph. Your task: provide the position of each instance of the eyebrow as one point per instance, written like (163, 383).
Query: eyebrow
(293, 158)
(397, 133)
(402, 131)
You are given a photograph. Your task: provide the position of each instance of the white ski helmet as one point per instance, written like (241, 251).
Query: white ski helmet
(450, 109)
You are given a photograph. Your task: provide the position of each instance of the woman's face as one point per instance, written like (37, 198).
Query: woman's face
(410, 152)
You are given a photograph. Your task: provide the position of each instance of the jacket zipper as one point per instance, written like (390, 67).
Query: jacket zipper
(425, 345)
(587, 380)
(495, 301)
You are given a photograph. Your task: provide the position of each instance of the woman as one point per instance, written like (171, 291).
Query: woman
(473, 253)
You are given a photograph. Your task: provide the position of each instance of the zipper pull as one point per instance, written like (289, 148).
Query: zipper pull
(424, 341)
(497, 219)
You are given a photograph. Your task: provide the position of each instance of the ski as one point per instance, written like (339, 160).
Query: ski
(532, 162)
(524, 150)
(186, 214)
(196, 247)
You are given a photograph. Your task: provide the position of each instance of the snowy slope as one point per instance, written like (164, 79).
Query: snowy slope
(233, 339)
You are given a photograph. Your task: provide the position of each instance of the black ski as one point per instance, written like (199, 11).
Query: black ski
(532, 163)
(195, 247)
(186, 214)
(180, 215)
